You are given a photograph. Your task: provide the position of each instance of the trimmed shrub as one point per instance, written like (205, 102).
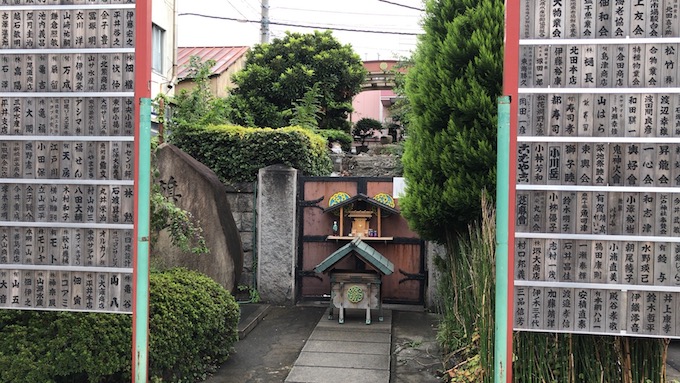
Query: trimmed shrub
(236, 153)
(365, 128)
(192, 327)
(54, 347)
(194, 323)
(332, 135)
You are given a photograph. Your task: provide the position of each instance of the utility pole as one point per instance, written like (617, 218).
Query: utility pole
(264, 22)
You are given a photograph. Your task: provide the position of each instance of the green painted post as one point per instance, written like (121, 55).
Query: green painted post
(503, 335)
(143, 187)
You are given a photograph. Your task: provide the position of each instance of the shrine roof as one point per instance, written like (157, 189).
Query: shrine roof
(364, 198)
(364, 251)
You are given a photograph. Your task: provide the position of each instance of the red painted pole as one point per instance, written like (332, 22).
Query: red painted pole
(510, 88)
(142, 90)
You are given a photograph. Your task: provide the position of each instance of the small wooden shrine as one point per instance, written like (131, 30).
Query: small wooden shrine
(365, 215)
(357, 289)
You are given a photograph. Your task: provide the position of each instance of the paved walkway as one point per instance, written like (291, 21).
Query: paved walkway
(353, 352)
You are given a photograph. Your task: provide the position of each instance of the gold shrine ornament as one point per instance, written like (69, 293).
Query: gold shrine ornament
(355, 294)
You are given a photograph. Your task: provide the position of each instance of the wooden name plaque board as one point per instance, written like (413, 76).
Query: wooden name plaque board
(597, 168)
(67, 154)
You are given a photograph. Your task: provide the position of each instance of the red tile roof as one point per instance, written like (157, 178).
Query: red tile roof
(224, 58)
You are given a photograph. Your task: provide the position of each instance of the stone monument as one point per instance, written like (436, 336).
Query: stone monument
(196, 189)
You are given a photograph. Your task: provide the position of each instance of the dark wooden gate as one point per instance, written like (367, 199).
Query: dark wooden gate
(405, 250)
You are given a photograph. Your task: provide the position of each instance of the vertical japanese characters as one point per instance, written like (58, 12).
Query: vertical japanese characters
(597, 223)
(67, 154)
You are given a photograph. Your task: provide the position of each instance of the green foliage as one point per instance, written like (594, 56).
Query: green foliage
(390, 149)
(332, 135)
(570, 358)
(467, 295)
(253, 294)
(63, 346)
(450, 153)
(365, 128)
(400, 110)
(236, 153)
(184, 231)
(198, 105)
(278, 74)
(306, 110)
(193, 324)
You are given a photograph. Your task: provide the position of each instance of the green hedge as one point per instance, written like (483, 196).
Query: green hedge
(332, 135)
(236, 153)
(193, 324)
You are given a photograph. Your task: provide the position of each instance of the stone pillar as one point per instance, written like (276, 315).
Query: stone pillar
(276, 234)
(432, 252)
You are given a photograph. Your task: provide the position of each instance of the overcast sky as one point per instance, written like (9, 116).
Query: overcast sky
(400, 22)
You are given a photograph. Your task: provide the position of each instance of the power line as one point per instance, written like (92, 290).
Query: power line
(251, 7)
(236, 9)
(402, 5)
(345, 13)
(299, 25)
(350, 26)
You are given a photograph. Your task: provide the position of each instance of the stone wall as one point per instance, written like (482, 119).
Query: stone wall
(241, 198)
(366, 165)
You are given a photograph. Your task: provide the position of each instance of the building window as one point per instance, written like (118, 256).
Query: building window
(157, 36)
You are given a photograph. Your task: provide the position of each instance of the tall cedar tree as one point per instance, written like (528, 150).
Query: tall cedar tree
(278, 74)
(450, 152)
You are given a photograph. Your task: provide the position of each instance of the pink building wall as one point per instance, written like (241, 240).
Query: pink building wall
(372, 104)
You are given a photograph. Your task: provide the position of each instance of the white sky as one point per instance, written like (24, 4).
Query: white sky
(373, 15)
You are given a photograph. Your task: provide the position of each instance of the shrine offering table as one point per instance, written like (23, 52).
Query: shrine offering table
(355, 290)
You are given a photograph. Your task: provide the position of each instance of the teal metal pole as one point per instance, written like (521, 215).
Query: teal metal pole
(503, 334)
(141, 322)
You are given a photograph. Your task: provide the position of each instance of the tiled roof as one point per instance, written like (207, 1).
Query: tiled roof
(224, 58)
(364, 251)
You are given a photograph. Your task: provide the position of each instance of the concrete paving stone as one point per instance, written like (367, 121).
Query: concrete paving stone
(251, 315)
(360, 314)
(301, 374)
(673, 361)
(331, 359)
(354, 327)
(352, 336)
(355, 320)
(336, 346)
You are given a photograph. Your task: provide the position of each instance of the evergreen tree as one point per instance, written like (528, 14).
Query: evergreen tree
(450, 152)
(278, 74)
